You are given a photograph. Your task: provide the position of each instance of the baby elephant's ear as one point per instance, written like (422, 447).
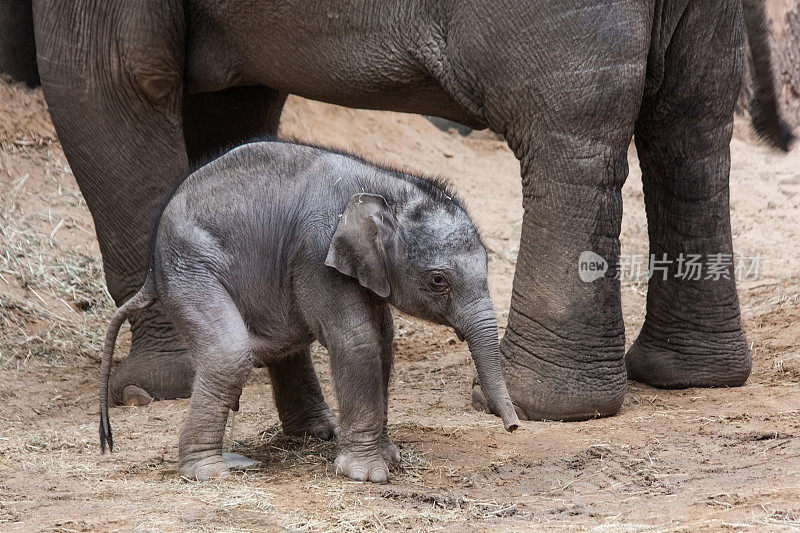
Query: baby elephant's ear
(358, 248)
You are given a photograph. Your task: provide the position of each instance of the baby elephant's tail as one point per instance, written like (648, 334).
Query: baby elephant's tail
(146, 296)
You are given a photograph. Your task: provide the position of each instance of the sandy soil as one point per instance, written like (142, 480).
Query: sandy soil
(671, 460)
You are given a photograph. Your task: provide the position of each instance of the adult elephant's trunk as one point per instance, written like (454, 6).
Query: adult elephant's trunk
(480, 332)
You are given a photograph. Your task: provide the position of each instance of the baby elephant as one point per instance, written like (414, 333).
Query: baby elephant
(274, 245)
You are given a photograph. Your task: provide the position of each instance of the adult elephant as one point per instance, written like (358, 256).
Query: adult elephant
(138, 90)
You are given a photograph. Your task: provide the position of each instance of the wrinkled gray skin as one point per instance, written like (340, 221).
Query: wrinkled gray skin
(274, 245)
(139, 90)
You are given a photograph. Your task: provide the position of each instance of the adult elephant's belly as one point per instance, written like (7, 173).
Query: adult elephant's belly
(386, 59)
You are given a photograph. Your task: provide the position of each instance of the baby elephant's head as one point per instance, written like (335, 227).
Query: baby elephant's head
(426, 257)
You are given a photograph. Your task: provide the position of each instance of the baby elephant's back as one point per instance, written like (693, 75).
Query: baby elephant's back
(243, 211)
(253, 186)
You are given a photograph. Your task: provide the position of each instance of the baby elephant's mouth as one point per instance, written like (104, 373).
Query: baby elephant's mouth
(458, 334)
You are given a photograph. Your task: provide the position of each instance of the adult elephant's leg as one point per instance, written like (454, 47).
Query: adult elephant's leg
(17, 46)
(692, 334)
(218, 120)
(211, 122)
(112, 77)
(564, 344)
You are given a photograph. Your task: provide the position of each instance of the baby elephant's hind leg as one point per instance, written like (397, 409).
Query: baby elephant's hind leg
(298, 397)
(389, 452)
(218, 339)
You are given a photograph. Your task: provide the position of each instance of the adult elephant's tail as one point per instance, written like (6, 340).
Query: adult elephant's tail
(17, 46)
(764, 108)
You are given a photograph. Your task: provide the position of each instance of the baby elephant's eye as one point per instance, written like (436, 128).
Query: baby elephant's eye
(438, 282)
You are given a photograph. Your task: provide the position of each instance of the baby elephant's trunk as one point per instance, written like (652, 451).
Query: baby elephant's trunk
(480, 331)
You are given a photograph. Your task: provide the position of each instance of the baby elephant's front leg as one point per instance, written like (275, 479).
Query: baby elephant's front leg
(358, 376)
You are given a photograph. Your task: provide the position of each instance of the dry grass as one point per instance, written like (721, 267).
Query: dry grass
(349, 511)
(55, 299)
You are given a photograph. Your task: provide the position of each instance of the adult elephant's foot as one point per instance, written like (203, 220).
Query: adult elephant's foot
(204, 469)
(319, 423)
(541, 390)
(158, 367)
(679, 357)
(135, 396)
(563, 350)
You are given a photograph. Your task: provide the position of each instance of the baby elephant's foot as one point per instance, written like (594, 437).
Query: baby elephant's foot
(389, 452)
(321, 424)
(204, 469)
(237, 461)
(362, 467)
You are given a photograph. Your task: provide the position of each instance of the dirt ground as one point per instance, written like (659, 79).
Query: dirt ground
(670, 460)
